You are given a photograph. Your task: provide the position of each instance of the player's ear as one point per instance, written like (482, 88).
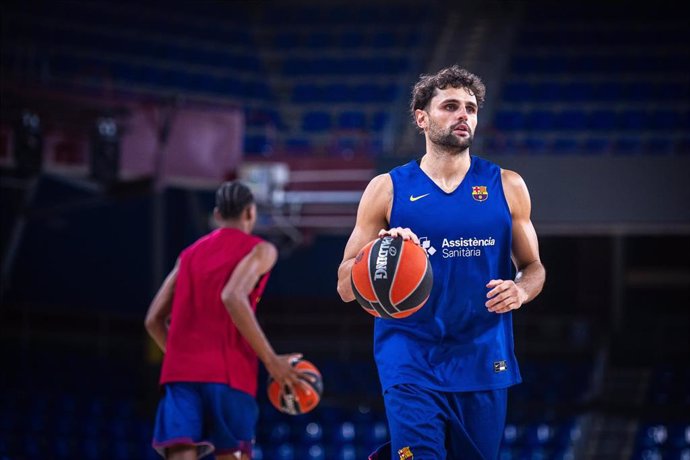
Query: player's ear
(421, 118)
(249, 216)
(216, 215)
(250, 212)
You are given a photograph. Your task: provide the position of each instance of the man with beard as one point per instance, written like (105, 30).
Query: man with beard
(446, 369)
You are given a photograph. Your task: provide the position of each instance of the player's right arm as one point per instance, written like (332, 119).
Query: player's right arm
(160, 308)
(373, 215)
(235, 297)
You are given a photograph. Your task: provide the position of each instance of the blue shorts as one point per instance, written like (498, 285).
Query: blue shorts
(429, 424)
(211, 416)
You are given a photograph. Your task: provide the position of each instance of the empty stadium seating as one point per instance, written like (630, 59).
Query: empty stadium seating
(556, 95)
(663, 440)
(110, 413)
(307, 72)
(570, 82)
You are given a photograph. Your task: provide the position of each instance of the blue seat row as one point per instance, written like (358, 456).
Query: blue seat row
(664, 434)
(289, 451)
(590, 145)
(157, 77)
(407, 14)
(598, 37)
(535, 453)
(341, 431)
(345, 67)
(656, 453)
(597, 64)
(176, 23)
(353, 120)
(344, 92)
(541, 433)
(348, 39)
(142, 46)
(555, 91)
(601, 120)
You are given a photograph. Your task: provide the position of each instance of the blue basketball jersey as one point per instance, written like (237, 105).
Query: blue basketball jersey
(453, 343)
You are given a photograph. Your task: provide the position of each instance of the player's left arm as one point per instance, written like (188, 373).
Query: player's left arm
(160, 308)
(507, 295)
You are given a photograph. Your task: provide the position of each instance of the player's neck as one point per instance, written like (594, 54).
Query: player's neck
(234, 224)
(444, 164)
(446, 170)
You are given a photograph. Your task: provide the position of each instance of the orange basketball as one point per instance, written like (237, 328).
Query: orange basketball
(391, 277)
(305, 396)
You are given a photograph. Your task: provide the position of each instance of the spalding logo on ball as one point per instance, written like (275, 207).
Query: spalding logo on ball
(391, 277)
(304, 396)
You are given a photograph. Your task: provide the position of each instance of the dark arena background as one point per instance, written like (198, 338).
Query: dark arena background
(120, 118)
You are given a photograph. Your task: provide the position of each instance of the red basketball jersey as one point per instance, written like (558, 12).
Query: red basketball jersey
(203, 344)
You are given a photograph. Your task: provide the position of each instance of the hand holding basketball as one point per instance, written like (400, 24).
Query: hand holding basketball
(404, 233)
(280, 368)
(300, 397)
(392, 276)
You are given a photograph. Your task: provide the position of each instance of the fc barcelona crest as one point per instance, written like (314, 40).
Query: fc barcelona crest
(405, 454)
(480, 193)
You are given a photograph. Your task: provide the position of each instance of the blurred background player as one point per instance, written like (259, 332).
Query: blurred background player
(210, 369)
(445, 370)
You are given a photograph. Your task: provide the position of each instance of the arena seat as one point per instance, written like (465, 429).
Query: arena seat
(310, 433)
(658, 145)
(352, 120)
(346, 452)
(564, 145)
(540, 120)
(518, 92)
(509, 120)
(280, 433)
(316, 121)
(257, 452)
(312, 452)
(283, 451)
(343, 433)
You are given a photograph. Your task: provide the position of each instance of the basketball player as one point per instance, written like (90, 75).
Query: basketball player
(210, 369)
(445, 370)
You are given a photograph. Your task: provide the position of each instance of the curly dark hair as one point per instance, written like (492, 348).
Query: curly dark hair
(454, 76)
(231, 199)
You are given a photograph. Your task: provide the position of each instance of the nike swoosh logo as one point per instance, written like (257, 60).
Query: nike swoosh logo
(415, 198)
